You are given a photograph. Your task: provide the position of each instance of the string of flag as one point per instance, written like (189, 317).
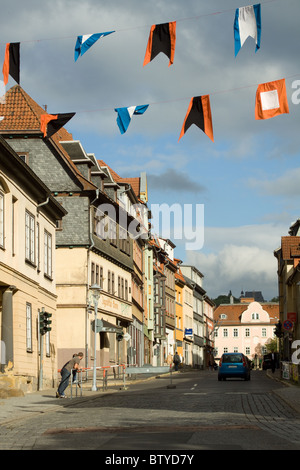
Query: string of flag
(271, 99)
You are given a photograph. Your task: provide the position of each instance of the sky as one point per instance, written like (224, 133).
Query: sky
(237, 195)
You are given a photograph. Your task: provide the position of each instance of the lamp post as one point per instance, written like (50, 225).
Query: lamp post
(95, 291)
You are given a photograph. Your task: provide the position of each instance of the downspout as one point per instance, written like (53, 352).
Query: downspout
(87, 329)
(43, 203)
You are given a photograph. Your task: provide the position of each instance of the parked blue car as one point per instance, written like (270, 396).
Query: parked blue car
(234, 365)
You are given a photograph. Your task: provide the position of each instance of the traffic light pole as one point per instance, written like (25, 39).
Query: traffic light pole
(41, 353)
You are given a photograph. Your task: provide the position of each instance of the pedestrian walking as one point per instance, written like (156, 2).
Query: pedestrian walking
(176, 360)
(66, 373)
(273, 362)
(169, 359)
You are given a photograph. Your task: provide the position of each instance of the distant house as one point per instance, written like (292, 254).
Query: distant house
(244, 327)
(251, 295)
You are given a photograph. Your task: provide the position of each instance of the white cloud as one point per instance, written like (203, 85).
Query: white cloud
(239, 258)
(237, 268)
(285, 185)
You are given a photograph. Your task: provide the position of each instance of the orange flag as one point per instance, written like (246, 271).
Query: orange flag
(271, 100)
(162, 38)
(199, 113)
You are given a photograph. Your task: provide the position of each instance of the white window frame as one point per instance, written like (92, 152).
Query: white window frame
(1, 219)
(28, 327)
(47, 254)
(30, 239)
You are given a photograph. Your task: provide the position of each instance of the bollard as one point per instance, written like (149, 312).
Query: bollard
(171, 383)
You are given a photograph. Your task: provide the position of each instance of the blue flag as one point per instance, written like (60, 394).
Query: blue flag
(125, 115)
(86, 41)
(247, 23)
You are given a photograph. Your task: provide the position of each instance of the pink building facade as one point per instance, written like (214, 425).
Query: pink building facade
(245, 328)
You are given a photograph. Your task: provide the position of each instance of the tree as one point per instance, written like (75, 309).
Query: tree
(271, 345)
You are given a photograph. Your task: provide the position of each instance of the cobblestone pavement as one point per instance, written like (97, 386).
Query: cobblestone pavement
(197, 412)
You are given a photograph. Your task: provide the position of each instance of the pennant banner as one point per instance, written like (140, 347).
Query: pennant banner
(84, 42)
(125, 115)
(247, 23)
(271, 100)
(199, 113)
(162, 38)
(51, 123)
(11, 65)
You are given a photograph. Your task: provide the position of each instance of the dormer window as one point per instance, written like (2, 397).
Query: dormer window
(223, 316)
(24, 156)
(255, 316)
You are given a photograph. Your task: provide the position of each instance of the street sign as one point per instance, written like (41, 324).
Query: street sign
(288, 325)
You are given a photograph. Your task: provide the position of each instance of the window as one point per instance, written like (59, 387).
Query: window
(24, 156)
(108, 282)
(113, 283)
(38, 246)
(223, 316)
(1, 219)
(247, 351)
(247, 332)
(255, 316)
(264, 332)
(225, 332)
(93, 274)
(235, 332)
(28, 327)
(47, 254)
(101, 277)
(29, 237)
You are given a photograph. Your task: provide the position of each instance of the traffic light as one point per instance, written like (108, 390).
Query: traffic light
(278, 330)
(45, 321)
(120, 336)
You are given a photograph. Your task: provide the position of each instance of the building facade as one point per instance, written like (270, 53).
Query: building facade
(28, 219)
(245, 328)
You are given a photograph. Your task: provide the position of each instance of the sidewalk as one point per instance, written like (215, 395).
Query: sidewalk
(17, 408)
(290, 393)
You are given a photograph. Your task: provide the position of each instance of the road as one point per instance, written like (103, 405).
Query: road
(193, 412)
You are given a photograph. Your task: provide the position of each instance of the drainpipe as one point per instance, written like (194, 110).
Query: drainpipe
(43, 203)
(88, 278)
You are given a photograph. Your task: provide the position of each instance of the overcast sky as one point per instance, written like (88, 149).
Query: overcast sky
(247, 180)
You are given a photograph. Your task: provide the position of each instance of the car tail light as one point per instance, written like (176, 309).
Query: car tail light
(220, 362)
(244, 362)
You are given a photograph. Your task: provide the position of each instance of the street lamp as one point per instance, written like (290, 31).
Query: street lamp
(95, 291)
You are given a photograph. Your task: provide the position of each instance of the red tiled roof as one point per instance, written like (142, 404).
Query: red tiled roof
(234, 311)
(290, 247)
(22, 114)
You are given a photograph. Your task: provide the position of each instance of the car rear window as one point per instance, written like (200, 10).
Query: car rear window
(232, 358)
